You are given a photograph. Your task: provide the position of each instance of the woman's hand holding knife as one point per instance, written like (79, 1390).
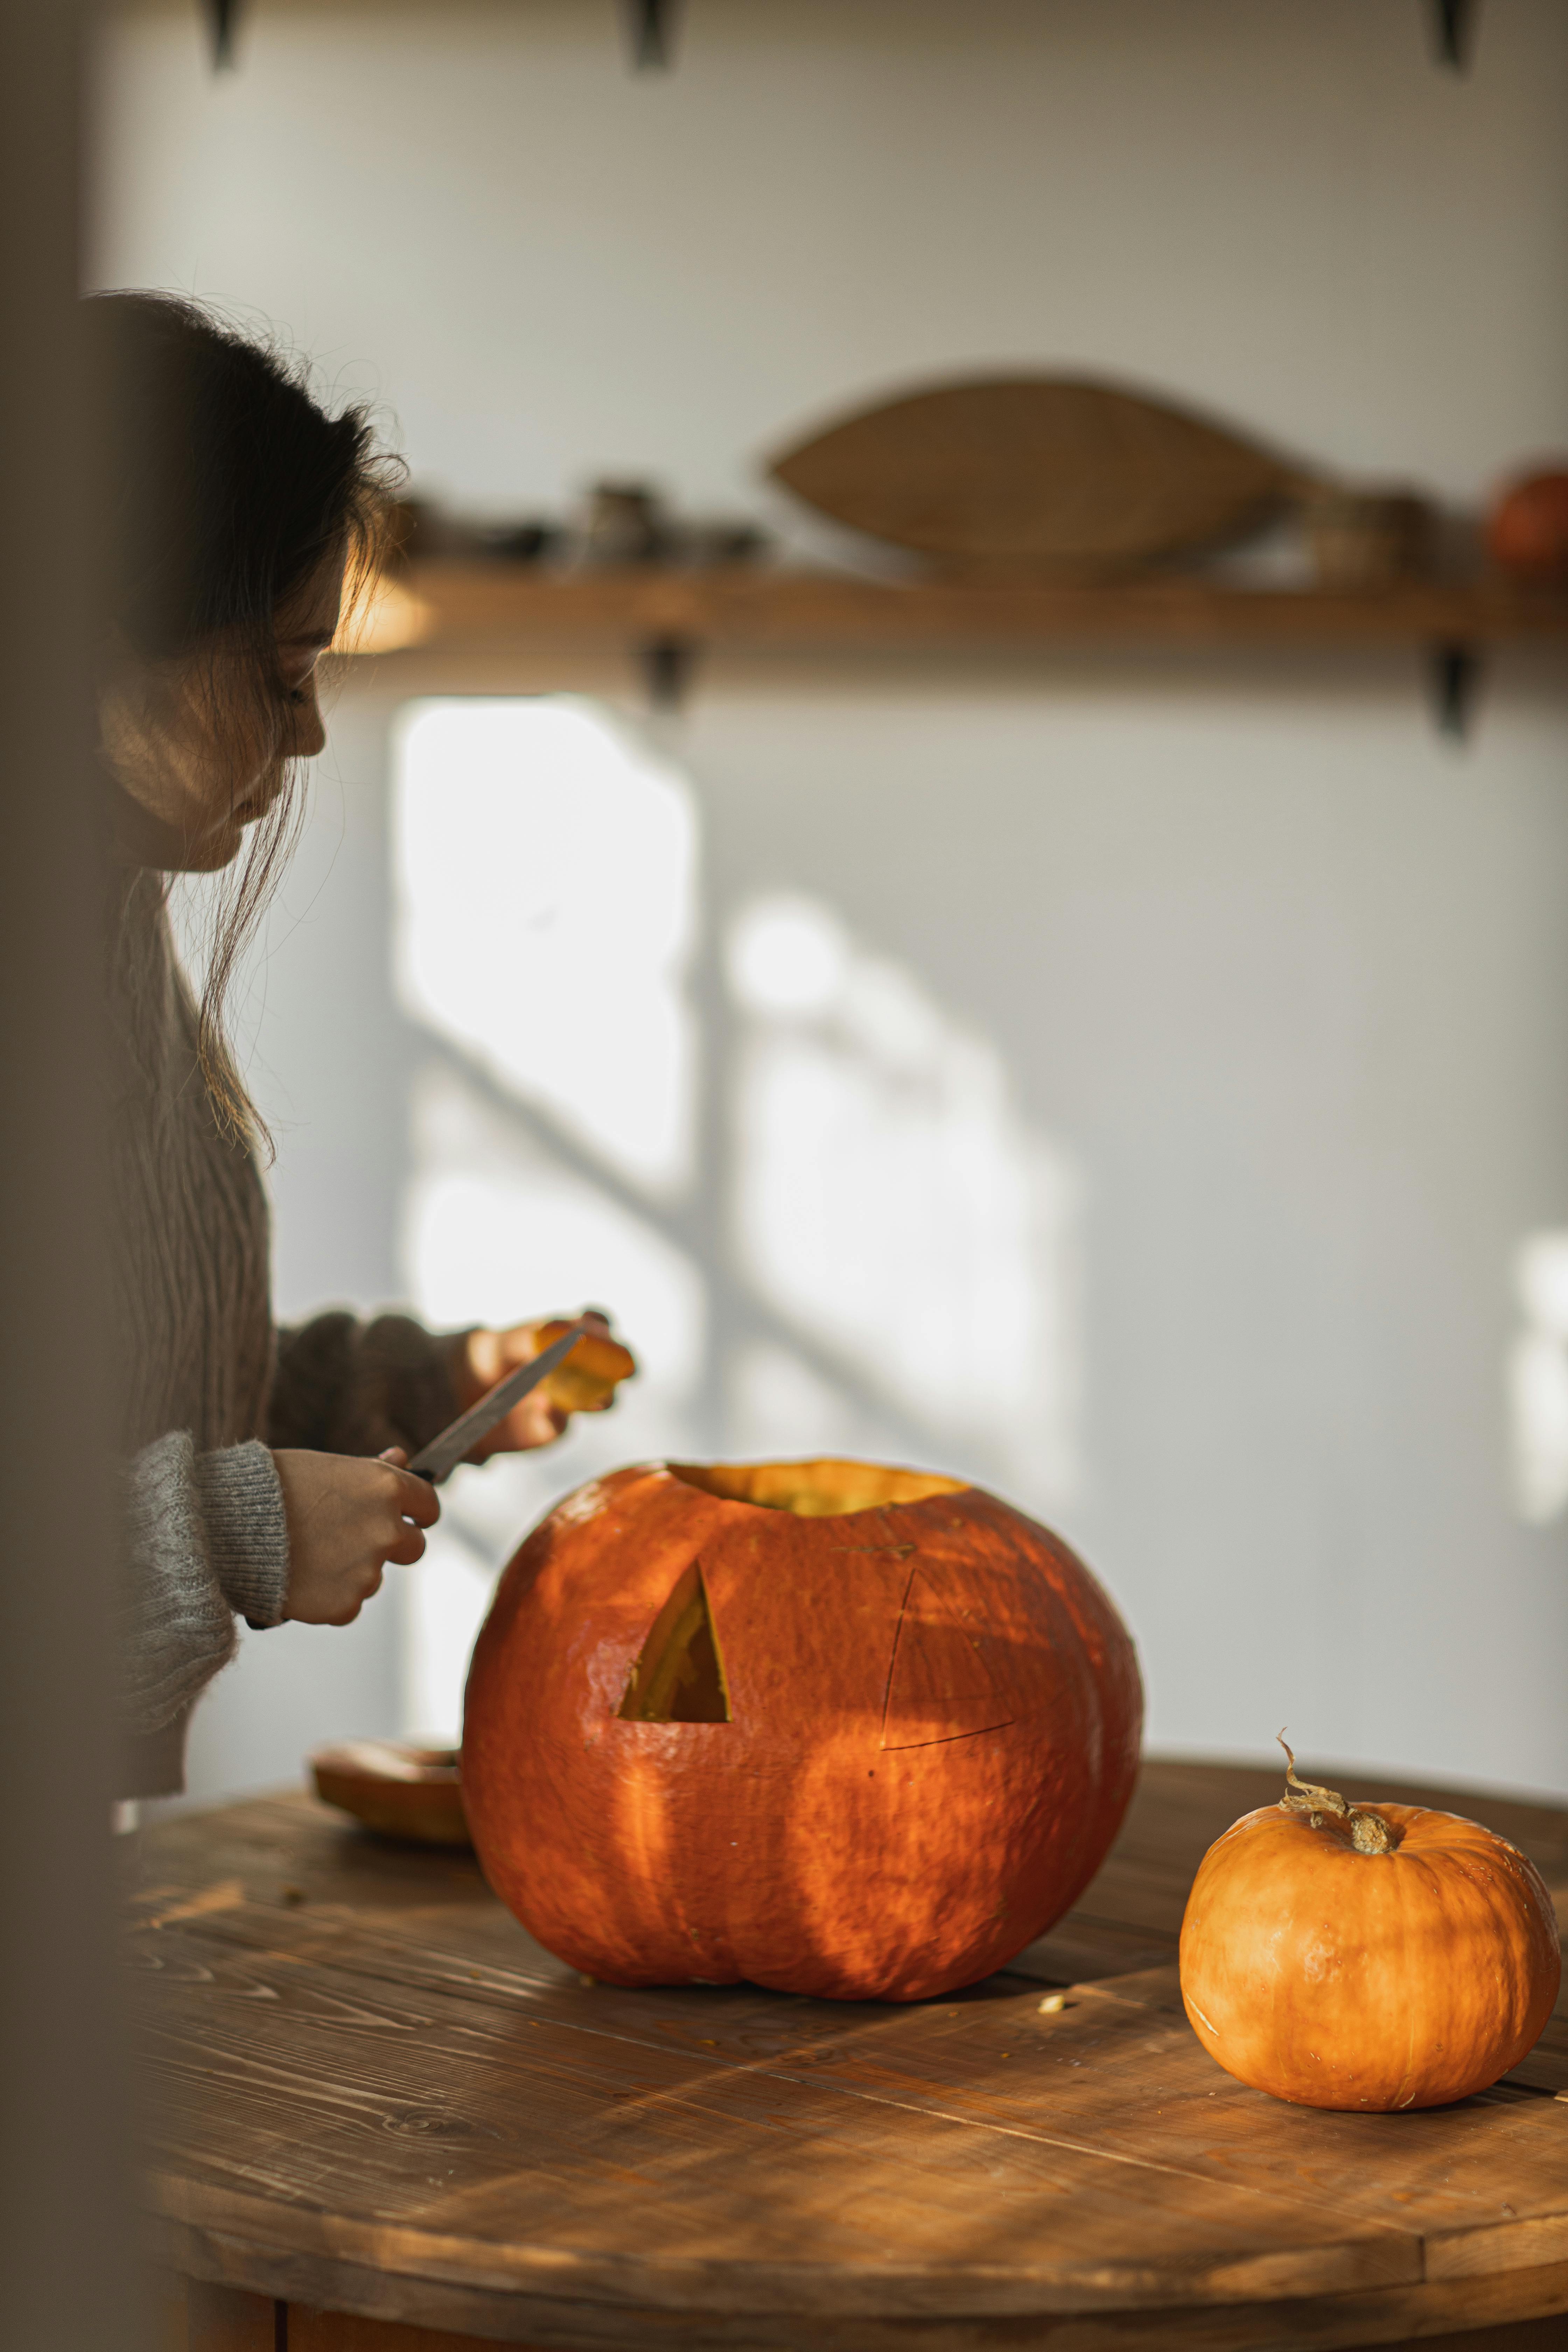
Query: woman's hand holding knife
(348, 1516)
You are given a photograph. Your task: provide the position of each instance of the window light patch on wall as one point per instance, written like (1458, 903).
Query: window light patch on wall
(1537, 1379)
(545, 879)
(891, 1201)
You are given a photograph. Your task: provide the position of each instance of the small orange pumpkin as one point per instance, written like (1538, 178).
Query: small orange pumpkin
(1373, 1957)
(831, 1728)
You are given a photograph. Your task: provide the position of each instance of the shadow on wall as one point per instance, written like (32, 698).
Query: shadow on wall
(803, 1188)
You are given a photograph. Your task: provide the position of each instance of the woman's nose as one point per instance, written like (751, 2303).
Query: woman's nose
(307, 733)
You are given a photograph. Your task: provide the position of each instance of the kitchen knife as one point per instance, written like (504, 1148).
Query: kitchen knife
(443, 1453)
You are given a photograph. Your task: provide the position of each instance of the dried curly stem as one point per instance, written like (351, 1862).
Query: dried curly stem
(1369, 1834)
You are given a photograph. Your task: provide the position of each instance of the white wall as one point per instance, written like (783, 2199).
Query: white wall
(1281, 975)
(552, 268)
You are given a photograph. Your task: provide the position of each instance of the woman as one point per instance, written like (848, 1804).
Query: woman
(265, 1470)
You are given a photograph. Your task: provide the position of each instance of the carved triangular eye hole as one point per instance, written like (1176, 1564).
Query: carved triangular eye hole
(679, 1677)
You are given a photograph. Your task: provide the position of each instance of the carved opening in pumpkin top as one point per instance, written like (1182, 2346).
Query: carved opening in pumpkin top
(679, 1675)
(814, 1490)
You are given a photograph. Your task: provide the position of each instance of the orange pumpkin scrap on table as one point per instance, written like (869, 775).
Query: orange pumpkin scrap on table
(1375, 1957)
(394, 1787)
(827, 1726)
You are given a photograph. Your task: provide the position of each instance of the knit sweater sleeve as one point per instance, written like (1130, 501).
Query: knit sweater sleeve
(345, 1387)
(206, 1536)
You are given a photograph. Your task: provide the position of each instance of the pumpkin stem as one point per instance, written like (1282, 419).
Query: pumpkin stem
(1369, 1831)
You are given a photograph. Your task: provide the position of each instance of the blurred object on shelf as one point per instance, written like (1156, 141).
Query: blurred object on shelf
(1527, 530)
(1367, 538)
(521, 543)
(626, 523)
(623, 525)
(1028, 474)
(396, 1788)
(421, 532)
(723, 543)
(629, 523)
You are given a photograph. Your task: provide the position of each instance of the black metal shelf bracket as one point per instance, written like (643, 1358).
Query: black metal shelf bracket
(1455, 676)
(667, 664)
(222, 18)
(1454, 32)
(650, 33)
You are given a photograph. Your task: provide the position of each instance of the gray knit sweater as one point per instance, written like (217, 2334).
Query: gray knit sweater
(210, 1385)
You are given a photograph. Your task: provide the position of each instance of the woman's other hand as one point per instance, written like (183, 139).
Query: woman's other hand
(481, 1359)
(348, 1516)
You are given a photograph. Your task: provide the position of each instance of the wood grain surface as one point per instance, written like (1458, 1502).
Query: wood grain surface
(496, 608)
(370, 2094)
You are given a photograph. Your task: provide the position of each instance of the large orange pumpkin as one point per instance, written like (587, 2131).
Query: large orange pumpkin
(831, 1728)
(1371, 1956)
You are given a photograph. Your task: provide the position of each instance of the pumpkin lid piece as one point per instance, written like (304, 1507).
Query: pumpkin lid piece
(395, 1787)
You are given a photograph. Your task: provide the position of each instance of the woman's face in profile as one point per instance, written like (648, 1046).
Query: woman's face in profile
(202, 747)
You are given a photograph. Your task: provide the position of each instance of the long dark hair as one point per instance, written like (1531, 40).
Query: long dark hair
(228, 484)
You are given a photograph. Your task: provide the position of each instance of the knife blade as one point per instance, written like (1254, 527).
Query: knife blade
(442, 1455)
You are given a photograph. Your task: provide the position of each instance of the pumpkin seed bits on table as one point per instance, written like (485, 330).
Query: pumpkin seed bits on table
(1367, 1956)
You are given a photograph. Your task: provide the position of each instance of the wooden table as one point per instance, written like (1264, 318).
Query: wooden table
(372, 2094)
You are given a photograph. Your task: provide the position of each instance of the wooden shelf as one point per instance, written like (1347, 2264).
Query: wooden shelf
(491, 607)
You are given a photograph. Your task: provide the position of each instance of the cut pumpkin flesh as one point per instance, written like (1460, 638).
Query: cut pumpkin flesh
(677, 1677)
(815, 1490)
(586, 1378)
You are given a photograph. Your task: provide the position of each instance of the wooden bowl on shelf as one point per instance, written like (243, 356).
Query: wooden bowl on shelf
(396, 1788)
